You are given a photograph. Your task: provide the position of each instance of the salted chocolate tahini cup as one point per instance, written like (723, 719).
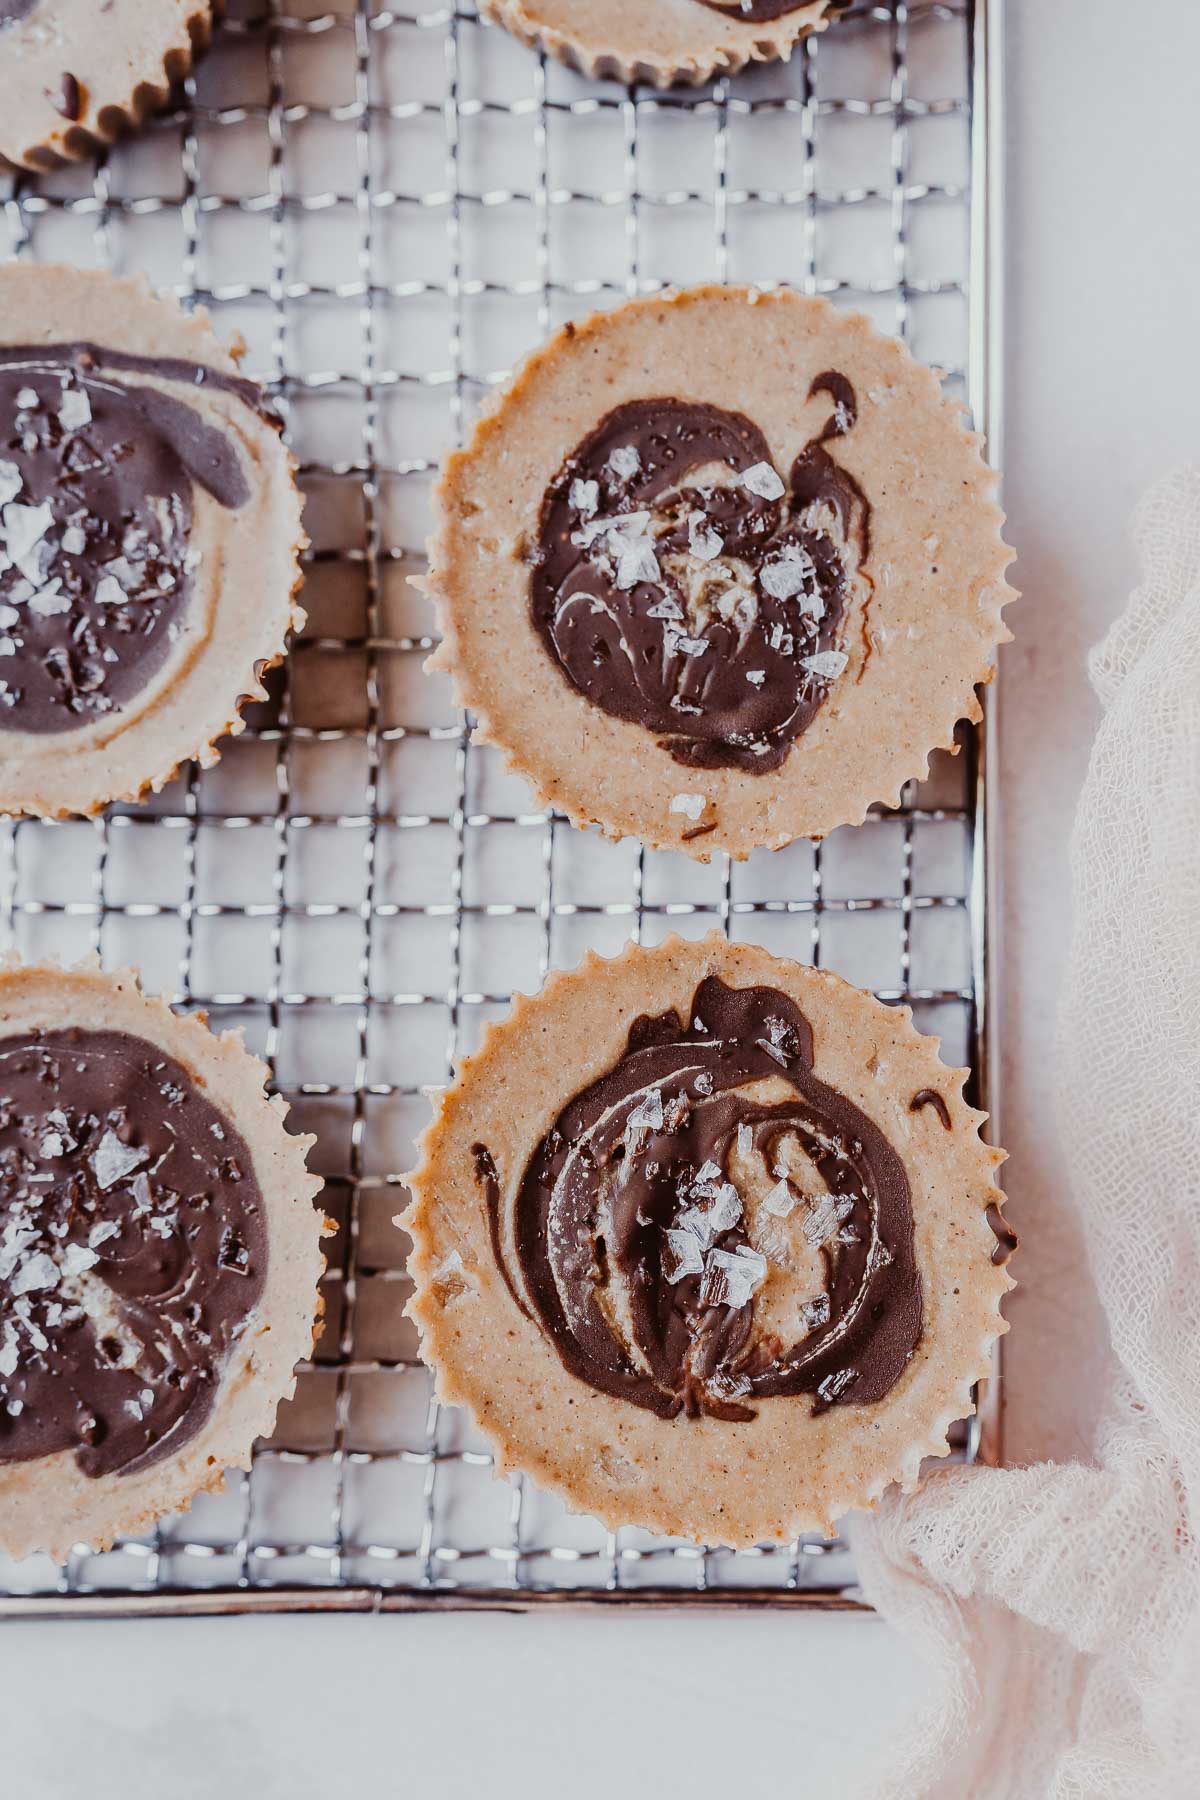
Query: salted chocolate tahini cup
(75, 75)
(159, 1257)
(662, 42)
(149, 540)
(719, 570)
(708, 1242)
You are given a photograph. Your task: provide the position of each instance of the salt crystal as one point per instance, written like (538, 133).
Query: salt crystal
(709, 1222)
(827, 665)
(109, 592)
(52, 1145)
(704, 1082)
(8, 616)
(756, 677)
(75, 410)
(703, 541)
(14, 1408)
(708, 1171)
(762, 479)
(727, 1386)
(77, 1259)
(649, 1114)
(27, 398)
(49, 600)
(781, 1200)
(636, 562)
(824, 1216)
(39, 1271)
(10, 482)
(8, 1352)
(112, 1160)
(732, 1279)
(836, 1384)
(24, 529)
(788, 574)
(691, 805)
(815, 1312)
(745, 1139)
(666, 608)
(451, 1264)
(686, 1256)
(139, 1187)
(74, 540)
(624, 462)
(584, 496)
(7, 647)
(100, 1234)
(878, 1257)
(686, 646)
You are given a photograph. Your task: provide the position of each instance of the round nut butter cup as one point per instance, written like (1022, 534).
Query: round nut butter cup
(88, 359)
(708, 1242)
(719, 569)
(148, 1331)
(664, 43)
(78, 75)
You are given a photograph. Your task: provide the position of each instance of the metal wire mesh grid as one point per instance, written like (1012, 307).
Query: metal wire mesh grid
(391, 208)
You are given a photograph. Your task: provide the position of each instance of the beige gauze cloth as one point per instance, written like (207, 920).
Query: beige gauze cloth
(1060, 1605)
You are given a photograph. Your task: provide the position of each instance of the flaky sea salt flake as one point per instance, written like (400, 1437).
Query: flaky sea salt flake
(684, 1256)
(112, 1160)
(690, 805)
(584, 496)
(624, 462)
(763, 480)
(78, 1259)
(836, 1384)
(109, 592)
(704, 543)
(649, 1113)
(49, 600)
(37, 1272)
(826, 665)
(75, 410)
(815, 1312)
(781, 1200)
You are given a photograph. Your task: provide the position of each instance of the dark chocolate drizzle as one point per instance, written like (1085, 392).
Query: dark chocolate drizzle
(97, 481)
(1007, 1241)
(69, 98)
(694, 606)
(931, 1097)
(754, 12)
(132, 1250)
(613, 1200)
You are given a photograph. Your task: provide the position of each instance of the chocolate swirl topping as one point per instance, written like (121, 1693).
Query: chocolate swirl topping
(96, 508)
(132, 1249)
(678, 583)
(690, 1242)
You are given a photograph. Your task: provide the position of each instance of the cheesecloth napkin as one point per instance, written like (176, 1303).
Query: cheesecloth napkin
(1060, 1605)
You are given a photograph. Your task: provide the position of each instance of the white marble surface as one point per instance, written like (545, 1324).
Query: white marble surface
(1103, 391)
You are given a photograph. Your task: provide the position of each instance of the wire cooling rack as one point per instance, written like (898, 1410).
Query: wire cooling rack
(391, 208)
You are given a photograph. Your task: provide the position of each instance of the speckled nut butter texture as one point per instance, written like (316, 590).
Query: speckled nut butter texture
(719, 570)
(144, 495)
(731, 1221)
(662, 41)
(158, 1257)
(75, 75)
